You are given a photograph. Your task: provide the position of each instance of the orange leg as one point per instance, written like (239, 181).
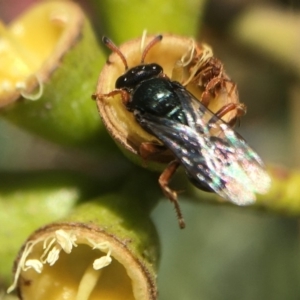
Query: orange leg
(225, 109)
(240, 108)
(211, 90)
(148, 150)
(125, 96)
(164, 180)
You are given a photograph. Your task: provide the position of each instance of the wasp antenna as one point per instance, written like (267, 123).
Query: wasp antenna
(156, 39)
(109, 44)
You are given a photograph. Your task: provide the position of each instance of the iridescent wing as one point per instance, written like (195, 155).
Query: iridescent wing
(212, 154)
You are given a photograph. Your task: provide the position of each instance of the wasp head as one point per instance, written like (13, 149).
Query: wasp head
(136, 75)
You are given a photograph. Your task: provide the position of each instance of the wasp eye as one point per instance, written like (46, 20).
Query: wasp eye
(121, 82)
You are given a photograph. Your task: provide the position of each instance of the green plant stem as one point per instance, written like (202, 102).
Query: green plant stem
(123, 20)
(64, 112)
(30, 200)
(112, 243)
(272, 32)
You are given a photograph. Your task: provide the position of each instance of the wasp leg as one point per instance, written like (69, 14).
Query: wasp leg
(211, 90)
(164, 180)
(205, 98)
(125, 96)
(240, 111)
(150, 151)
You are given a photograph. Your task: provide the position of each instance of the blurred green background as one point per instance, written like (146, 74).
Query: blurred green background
(225, 252)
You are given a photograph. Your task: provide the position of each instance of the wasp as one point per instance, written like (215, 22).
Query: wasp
(215, 158)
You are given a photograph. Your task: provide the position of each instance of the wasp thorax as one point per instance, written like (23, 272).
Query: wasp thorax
(174, 58)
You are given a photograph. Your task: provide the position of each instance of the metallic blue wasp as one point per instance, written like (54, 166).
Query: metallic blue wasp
(214, 157)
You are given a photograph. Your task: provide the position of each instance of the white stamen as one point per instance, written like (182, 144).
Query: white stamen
(21, 86)
(65, 240)
(33, 264)
(52, 245)
(102, 262)
(53, 256)
(206, 54)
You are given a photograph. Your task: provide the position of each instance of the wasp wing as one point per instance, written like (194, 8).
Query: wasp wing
(227, 145)
(211, 153)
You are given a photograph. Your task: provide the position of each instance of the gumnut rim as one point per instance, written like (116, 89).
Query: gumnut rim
(181, 59)
(99, 257)
(69, 17)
